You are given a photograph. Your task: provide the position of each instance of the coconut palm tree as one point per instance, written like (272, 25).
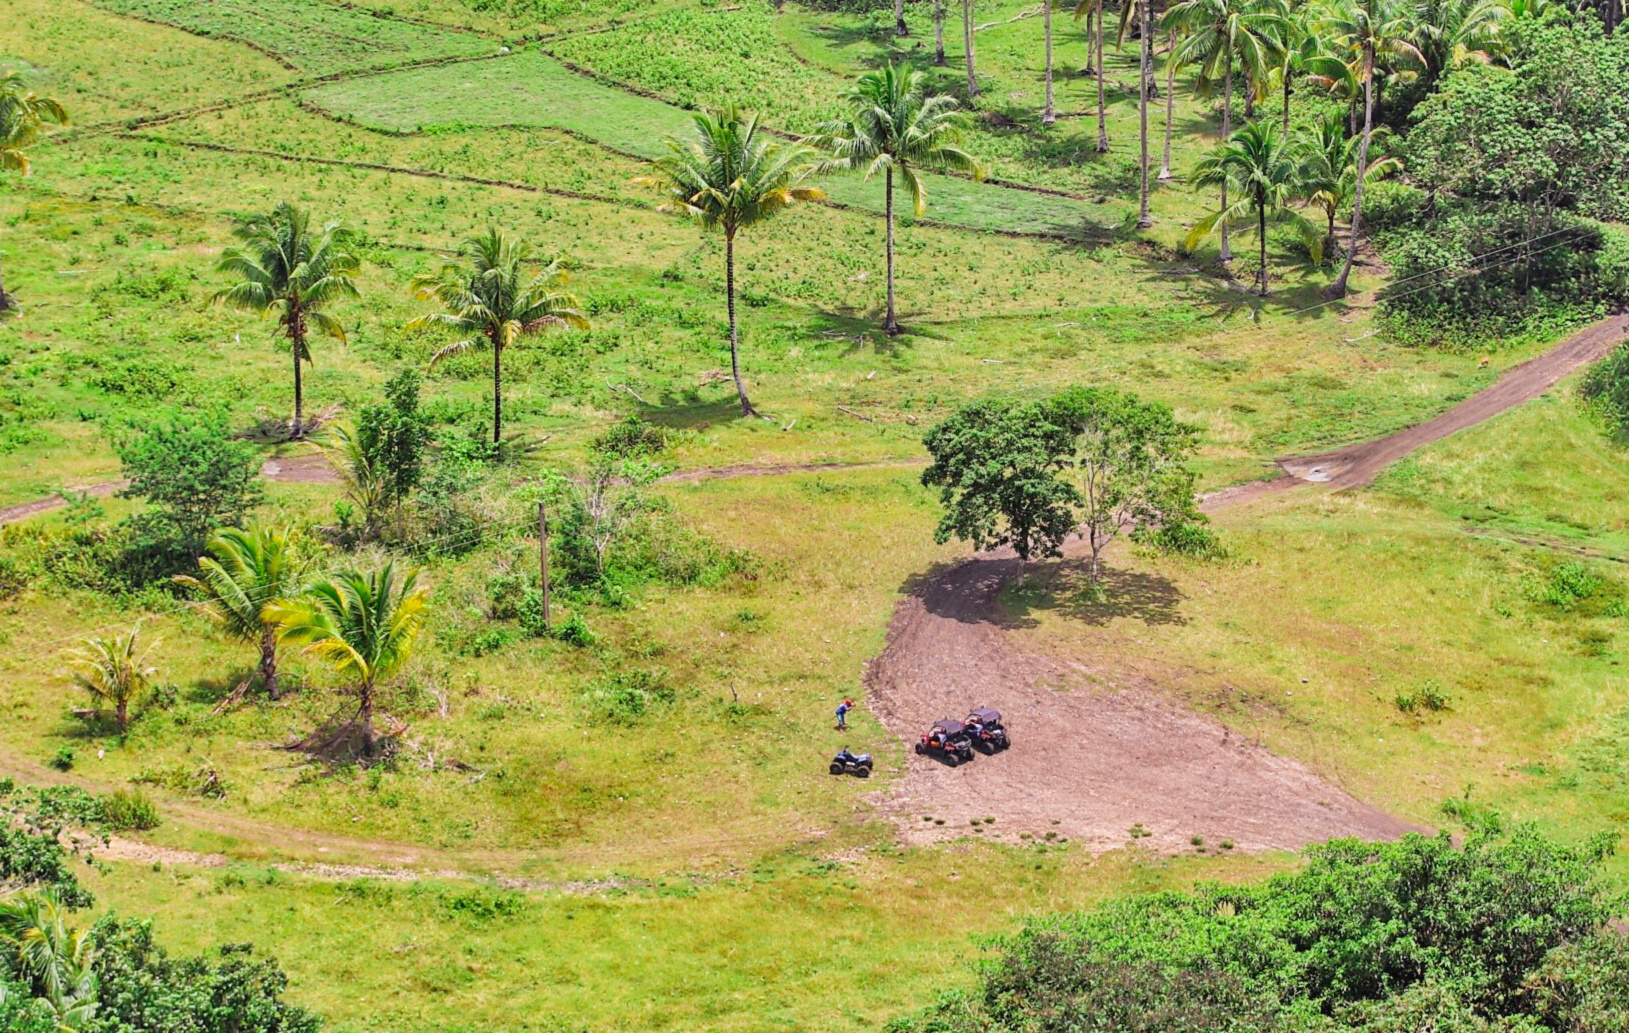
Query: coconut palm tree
(939, 33)
(728, 176)
(244, 569)
(362, 478)
(24, 116)
(900, 28)
(968, 50)
(1049, 114)
(1092, 10)
(39, 949)
(492, 301)
(1451, 33)
(1145, 66)
(113, 671)
(1221, 37)
(894, 127)
(1369, 34)
(362, 624)
(1329, 170)
(283, 266)
(1170, 101)
(1259, 164)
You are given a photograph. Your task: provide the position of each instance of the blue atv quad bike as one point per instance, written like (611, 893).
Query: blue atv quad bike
(856, 764)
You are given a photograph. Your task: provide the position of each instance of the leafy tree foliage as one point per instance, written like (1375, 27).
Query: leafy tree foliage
(1420, 934)
(997, 466)
(24, 116)
(1127, 461)
(197, 477)
(114, 671)
(1605, 389)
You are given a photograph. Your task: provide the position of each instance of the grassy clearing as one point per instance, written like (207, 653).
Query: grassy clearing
(153, 68)
(317, 38)
(802, 942)
(530, 89)
(1427, 652)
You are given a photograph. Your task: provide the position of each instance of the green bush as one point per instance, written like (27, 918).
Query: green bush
(574, 631)
(1605, 391)
(631, 438)
(628, 697)
(128, 811)
(1185, 538)
(1378, 937)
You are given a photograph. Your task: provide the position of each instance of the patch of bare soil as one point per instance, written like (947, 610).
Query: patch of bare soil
(1089, 762)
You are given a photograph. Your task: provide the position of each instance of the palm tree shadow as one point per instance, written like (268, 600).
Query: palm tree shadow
(1067, 588)
(688, 411)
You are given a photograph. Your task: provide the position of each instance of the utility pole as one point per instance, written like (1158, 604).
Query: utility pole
(543, 558)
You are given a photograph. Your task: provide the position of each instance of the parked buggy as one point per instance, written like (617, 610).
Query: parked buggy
(948, 740)
(856, 764)
(986, 730)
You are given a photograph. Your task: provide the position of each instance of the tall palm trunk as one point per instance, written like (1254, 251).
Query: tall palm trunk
(967, 48)
(1226, 253)
(5, 299)
(735, 334)
(268, 662)
(1049, 115)
(1286, 96)
(1338, 288)
(296, 337)
(890, 324)
(1170, 106)
(1102, 104)
(1261, 238)
(939, 32)
(1090, 56)
(1146, 56)
(364, 715)
(497, 390)
(900, 28)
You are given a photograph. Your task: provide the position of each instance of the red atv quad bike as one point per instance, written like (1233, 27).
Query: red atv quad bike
(948, 740)
(986, 730)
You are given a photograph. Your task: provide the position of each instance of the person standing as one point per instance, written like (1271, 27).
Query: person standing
(842, 714)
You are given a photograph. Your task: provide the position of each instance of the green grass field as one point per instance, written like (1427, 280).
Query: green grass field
(695, 871)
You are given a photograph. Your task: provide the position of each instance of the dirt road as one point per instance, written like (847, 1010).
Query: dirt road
(1097, 752)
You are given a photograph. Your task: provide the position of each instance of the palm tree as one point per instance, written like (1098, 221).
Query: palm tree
(1329, 170)
(245, 569)
(967, 50)
(1368, 32)
(493, 301)
(1170, 101)
(1219, 36)
(362, 478)
(1145, 30)
(1049, 115)
(24, 115)
(282, 266)
(362, 624)
(1259, 164)
(1093, 10)
(939, 33)
(900, 28)
(1451, 33)
(54, 961)
(894, 126)
(113, 671)
(728, 176)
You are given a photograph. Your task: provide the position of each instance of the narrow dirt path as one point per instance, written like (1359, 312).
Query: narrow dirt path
(306, 469)
(1097, 752)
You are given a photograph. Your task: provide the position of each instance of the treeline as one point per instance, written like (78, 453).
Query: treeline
(1509, 933)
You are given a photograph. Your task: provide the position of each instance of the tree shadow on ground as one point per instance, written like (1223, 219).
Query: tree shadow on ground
(1067, 588)
(968, 591)
(688, 411)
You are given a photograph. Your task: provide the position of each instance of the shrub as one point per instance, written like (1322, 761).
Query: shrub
(14, 579)
(628, 697)
(62, 760)
(1605, 390)
(574, 630)
(632, 438)
(126, 811)
(1185, 538)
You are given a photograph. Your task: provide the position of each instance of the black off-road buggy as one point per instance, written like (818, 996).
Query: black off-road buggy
(987, 732)
(948, 740)
(846, 763)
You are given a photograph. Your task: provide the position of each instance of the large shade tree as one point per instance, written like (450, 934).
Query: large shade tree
(895, 127)
(24, 117)
(1259, 165)
(493, 301)
(282, 265)
(1370, 34)
(729, 175)
(1222, 38)
(362, 625)
(243, 570)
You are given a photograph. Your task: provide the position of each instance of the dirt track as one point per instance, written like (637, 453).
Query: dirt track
(1090, 762)
(305, 469)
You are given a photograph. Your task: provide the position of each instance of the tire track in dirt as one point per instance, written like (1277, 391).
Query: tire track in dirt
(1097, 751)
